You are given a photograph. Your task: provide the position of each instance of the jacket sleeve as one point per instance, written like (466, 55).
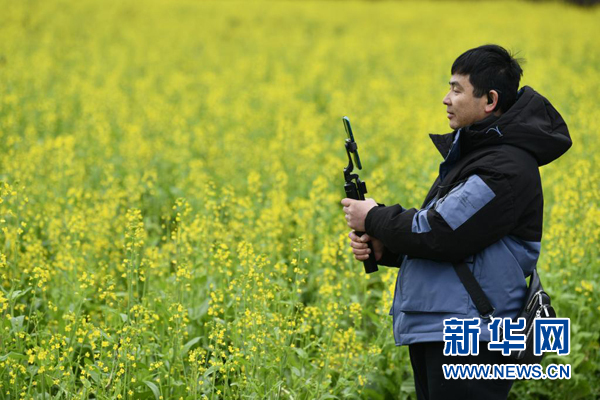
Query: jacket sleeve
(473, 215)
(389, 258)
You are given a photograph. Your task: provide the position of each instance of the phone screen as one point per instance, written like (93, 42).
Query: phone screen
(351, 137)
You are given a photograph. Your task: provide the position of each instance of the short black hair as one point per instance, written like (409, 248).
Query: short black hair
(491, 67)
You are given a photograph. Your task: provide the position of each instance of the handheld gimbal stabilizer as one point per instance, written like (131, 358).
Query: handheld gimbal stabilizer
(355, 188)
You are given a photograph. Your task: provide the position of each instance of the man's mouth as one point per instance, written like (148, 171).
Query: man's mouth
(450, 115)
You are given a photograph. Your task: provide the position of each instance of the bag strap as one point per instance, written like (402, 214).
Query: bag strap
(485, 308)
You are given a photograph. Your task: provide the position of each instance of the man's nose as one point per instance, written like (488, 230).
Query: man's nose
(446, 100)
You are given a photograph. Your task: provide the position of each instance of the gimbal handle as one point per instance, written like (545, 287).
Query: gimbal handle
(353, 192)
(356, 189)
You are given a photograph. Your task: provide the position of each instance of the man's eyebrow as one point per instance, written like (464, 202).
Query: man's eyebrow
(455, 83)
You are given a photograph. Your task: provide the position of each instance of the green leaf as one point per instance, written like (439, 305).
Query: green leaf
(328, 396)
(17, 356)
(199, 311)
(210, 370)
(94, 375)
(18, 293)
(124, 317)
(154, 389)
(369, 393)
(17, 323)
(407, 386)
(188, 345)
(85, 382)
(301, 353)
(13, 356)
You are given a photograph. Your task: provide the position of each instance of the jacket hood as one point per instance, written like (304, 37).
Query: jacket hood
(532, 124)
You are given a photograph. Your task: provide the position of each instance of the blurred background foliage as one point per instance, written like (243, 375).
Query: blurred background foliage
(171, 173)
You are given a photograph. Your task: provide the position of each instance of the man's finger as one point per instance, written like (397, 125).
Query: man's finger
(346, 201)
(361, 252)
(358, 245)
(365, 238)
(354, 237)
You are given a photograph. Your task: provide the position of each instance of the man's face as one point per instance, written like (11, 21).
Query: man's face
(462, 107)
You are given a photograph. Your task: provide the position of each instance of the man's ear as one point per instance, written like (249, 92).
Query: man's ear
(492, 101)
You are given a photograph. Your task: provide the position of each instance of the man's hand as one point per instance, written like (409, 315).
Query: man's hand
(360, 247)
(356, 212)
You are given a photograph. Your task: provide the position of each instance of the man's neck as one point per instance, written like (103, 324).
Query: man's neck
(488, 120)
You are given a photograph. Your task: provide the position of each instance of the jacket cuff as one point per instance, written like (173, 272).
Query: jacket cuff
(389, 258)
(377, 216)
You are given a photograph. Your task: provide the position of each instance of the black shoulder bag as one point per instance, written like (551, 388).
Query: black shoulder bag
(536, 305)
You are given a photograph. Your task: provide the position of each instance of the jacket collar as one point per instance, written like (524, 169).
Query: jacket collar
(468, 135)
(442, 142)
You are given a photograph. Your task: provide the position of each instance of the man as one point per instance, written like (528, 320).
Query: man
(485, 208)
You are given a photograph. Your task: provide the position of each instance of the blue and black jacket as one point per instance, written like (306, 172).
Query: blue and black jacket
(485, 207)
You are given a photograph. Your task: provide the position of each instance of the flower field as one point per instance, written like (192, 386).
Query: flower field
(171, 177)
